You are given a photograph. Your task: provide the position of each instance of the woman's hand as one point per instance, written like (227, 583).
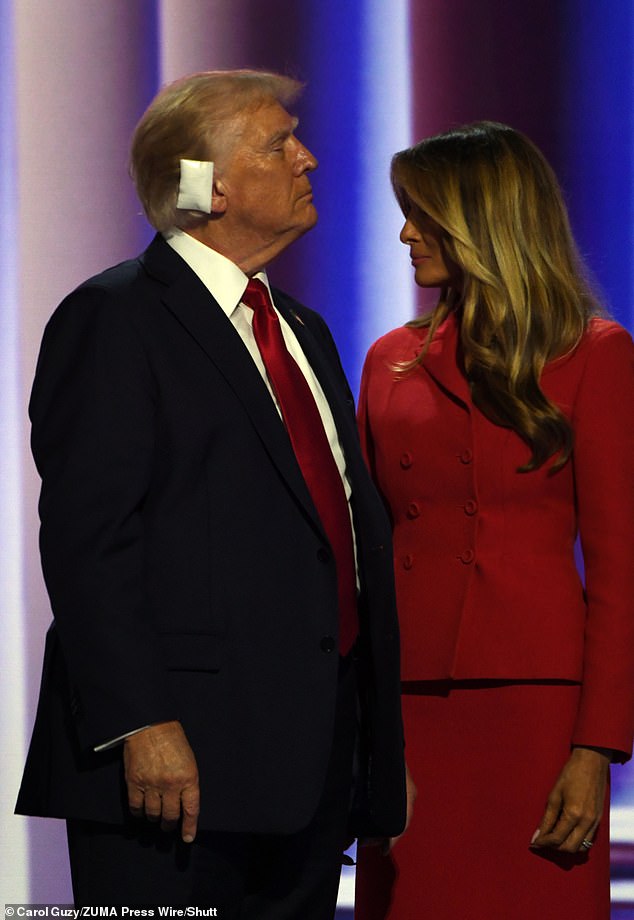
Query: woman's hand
(575, 804)
(411, 792)
(386, 843)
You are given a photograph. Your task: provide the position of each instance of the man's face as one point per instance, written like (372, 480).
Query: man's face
(267, 194)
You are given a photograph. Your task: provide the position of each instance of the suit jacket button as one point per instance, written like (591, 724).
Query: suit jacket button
(470, 507)
(406, 460)
(466, 456)
(323, 555)
(328, 644)
(467, 556)
(408, 561)
(413, 510)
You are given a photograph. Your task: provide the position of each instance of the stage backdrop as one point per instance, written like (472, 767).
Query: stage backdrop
(75, 76)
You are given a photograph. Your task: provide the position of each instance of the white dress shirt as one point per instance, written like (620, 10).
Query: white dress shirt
(227, 283)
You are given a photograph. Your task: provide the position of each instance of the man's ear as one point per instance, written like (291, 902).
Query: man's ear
(218, 197)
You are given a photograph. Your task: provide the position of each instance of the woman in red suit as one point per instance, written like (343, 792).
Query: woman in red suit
(498, 428)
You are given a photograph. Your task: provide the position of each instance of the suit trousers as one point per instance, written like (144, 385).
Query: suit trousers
(245, 876)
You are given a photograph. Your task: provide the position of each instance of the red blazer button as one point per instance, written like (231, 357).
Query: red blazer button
(470, 507)
(413, 510)
(408, 561)
(466, 456)
(467, 556)
(406, 460)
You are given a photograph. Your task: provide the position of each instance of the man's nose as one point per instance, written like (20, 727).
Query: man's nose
(304, 161)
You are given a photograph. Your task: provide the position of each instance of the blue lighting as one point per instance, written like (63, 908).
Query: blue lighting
(357, 110)
(598, 119)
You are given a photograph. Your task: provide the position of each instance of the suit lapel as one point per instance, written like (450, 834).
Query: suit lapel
(192, 305)
(341, 406)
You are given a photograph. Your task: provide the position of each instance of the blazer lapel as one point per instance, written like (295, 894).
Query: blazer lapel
(441, 361)
(195, 309)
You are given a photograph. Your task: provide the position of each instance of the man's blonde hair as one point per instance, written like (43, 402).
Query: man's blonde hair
(195, 118)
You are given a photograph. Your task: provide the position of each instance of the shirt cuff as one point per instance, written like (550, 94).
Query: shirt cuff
(110, 744)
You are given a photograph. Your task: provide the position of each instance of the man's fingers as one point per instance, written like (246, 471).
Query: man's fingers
(136, 801)
(162, 777)
(168, 808)
(171, 811)
(190, 804)
(153, 805)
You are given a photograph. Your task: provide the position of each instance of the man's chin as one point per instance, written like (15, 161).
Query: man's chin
(309, 219)
(313, 216)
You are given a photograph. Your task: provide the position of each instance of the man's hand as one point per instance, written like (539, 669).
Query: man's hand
(575, 804)
(162, 777)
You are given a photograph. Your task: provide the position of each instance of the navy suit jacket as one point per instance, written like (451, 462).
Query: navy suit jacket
(189, 575)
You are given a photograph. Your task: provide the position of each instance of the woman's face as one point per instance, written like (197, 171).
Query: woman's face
(424, 238)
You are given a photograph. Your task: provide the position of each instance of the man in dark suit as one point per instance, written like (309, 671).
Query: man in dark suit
(224, 654)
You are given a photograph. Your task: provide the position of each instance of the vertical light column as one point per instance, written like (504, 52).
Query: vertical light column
(84, 71)
(202, 35)
(14, 857)
(598, 135)
(357, 114)
(598, 152)
(386, 291)
(597, 148)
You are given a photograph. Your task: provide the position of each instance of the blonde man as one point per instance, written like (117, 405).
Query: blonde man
(217, 559)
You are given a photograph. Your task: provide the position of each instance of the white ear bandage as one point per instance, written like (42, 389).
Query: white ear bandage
(195, 186)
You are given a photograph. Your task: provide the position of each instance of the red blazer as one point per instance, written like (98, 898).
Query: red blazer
(487, 584)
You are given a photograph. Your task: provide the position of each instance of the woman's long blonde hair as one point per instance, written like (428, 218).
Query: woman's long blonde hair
(523, 296)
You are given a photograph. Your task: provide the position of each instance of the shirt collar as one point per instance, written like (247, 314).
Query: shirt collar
(223, 279)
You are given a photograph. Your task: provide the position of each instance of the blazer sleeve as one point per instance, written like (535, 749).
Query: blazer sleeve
(92, 410)
(603, 458)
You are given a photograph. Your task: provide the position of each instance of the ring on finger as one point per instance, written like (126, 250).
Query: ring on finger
(587, 844)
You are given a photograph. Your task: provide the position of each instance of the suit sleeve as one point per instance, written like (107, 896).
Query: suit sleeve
(603, 460)
(93, 413)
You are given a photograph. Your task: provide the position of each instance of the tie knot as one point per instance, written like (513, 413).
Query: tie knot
(256, 295)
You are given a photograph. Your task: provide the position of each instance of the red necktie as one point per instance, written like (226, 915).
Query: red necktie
(312, 450)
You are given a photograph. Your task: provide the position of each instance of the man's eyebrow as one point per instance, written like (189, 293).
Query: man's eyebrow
(284, 133)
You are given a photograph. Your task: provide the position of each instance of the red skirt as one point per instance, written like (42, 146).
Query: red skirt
(484, 756)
